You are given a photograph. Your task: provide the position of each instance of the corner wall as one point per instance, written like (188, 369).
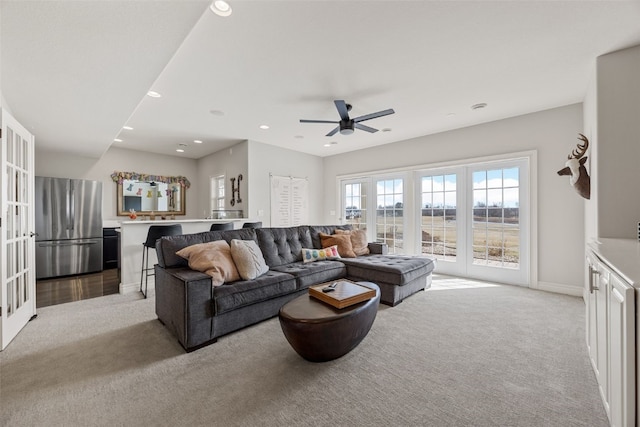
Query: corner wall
(552, 133)
(618, 144)
(265, 159)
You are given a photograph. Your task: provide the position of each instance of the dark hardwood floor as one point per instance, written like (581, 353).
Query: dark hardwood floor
(75, 288)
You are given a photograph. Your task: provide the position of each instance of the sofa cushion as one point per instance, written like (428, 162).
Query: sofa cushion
(313, 255)
(167, 246)
(283, 245)
(272, 284)
(248, 258)
(358, 240)
(312, 273)
(212, 258)
(345, 249)
(390, 269)
(315, 230)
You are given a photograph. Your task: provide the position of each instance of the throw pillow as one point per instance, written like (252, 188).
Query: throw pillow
(213, 258)
(358, 240)
(343, 241)
(248, 258)
(311, 255)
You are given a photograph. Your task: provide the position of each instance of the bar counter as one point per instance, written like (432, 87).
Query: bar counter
(134, 233)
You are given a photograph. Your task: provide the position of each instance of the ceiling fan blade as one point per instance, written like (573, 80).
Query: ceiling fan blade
(342, 109)
(318, 121)
(374, 115)
(333, 132)
(366, 128)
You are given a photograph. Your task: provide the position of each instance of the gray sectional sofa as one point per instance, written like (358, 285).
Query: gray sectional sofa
(198, 313)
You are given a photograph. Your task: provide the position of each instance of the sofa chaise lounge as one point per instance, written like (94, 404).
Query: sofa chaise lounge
(197, 313)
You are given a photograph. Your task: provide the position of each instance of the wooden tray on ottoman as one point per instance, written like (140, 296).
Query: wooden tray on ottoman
(346, 293)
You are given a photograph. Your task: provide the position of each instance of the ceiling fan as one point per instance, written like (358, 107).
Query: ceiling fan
(347, 125)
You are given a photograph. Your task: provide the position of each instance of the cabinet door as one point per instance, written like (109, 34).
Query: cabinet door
(621, 352)
(597, 324)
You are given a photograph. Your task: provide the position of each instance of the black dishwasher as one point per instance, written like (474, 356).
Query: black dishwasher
(109, 248)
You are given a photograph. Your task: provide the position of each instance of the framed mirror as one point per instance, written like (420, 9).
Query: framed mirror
(146, 194)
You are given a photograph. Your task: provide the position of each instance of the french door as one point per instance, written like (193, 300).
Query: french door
(376, 203)
(474, 219)
(17, 248)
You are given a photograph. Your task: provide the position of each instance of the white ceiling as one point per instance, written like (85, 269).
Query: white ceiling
(76, 72)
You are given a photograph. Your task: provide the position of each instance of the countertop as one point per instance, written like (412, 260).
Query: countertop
(622, 255)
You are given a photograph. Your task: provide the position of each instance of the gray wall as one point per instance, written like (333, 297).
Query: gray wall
(231, 162)
(267, 159)
(552, 133)
(618, 143)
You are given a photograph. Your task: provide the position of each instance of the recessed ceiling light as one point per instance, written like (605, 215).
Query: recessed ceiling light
(451, 115)
(182, 145)
(299, 137)
(264, 127)
(197, 141)
(327, 145)
(386, 130)
(153, 94)
(179, 150)
(217, 112)
(117, 140)
(221, 8)
(334, 143)
(127, 128)
(479, 106)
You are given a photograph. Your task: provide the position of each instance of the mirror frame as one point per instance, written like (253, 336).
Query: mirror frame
(120, 177)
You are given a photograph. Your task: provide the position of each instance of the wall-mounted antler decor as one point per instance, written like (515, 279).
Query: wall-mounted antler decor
(579, 178)
(235, 189)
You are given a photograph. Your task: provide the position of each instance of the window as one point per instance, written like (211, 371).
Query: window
(390, 213)
(217, 192)
(496, 230)
(355, 204)
(438, 213)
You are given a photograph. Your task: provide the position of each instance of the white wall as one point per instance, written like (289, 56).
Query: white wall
(552, 133)
(267, 159)
(618, 130)
(229, 162)
(62, 165)
(590, 130)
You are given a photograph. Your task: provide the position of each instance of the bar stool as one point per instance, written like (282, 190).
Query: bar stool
(221, 226)
(257, 224)
(155, 232)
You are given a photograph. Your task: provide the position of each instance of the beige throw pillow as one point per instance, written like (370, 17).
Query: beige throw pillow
(248, 258)
(358, 240)
(213, 258)
(345, 249)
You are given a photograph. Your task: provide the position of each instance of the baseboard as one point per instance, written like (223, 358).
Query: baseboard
(125, 288)
(560, 288)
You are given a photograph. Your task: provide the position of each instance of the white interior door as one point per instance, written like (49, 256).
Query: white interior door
(17, 259)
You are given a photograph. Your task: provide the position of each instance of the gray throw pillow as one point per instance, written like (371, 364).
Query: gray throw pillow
(248, 259)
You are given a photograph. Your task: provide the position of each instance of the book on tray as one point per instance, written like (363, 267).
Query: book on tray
(345, 293)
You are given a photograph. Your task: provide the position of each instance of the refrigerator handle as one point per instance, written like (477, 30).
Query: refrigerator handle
(72, 206)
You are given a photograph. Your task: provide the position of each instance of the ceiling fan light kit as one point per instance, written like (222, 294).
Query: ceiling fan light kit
(347, 125)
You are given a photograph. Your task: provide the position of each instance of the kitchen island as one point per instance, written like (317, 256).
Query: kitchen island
(134, 233)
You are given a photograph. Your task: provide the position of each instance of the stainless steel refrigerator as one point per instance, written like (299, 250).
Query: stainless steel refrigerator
(68, 226)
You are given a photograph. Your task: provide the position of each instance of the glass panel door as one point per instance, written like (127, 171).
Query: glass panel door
(355, 204)
(390, 214)
(17, 265)
(498, 241)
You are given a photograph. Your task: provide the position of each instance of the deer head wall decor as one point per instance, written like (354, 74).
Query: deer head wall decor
(579, 178)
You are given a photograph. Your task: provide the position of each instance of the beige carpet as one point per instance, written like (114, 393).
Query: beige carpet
(460, 354)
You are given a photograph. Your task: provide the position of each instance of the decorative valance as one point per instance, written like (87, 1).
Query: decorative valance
(120, 176)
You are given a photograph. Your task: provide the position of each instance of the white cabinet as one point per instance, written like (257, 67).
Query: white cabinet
(611, 339)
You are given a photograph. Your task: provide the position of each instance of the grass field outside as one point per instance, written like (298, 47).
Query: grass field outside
(495, 243)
